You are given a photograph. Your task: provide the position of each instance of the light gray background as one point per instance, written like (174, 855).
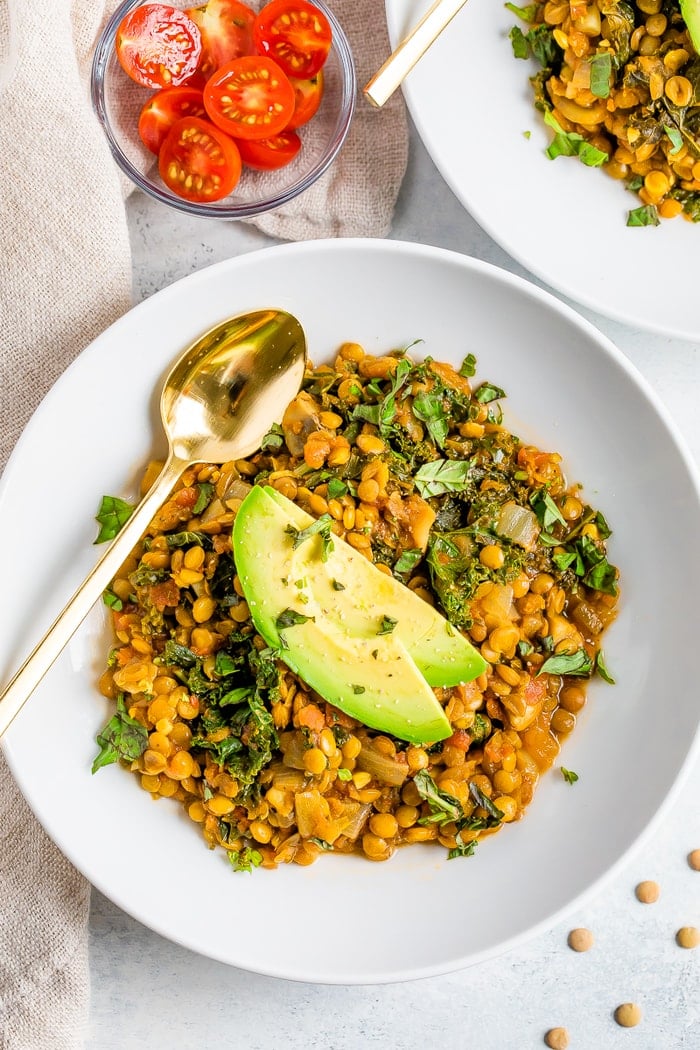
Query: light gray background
(148, 994)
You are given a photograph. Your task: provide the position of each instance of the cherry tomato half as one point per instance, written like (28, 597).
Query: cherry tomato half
(250, 98)
(158, 45)
(307, 99)
(296, 34)
(198, 162)
(227, 32)
(163, 109)
(268, 154)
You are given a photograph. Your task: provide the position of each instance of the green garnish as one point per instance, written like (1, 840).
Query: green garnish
(244, 859)
(337, 585)
(111, 601)
(526, 13)
(468, 366)
(462, 849)
(344, 774)
(676, 140)
(113, 513)
(569, 776)
(441, 476)
(274, 438)
(487, 392)
(601, 69)
(205, 494)
(387, 625)
(358, 689)
(578, 663)
(484, 801)
(443, 807)
(429, 409)
(602, 669)
(336, 488)
(546, 510)
(290, 618)
(122, 738)
(321, 527)
(407, 561)
(571, 144)
(645, 215)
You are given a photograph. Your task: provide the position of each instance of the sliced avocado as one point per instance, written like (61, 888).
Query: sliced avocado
(442, 654)
(339, 625)
(690, 9)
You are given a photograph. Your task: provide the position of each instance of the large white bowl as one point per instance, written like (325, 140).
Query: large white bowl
(346, 920)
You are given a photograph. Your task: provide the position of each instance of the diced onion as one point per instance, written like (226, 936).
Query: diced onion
(519, 525)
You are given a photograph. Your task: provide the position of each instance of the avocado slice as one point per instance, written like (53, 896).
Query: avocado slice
(690, 9)
(333, 622)
(442, 654)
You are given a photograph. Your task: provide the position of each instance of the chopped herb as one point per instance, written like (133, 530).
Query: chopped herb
(525, 648)
(322, 527)
(443, 807)
(526, 13)
(676, 140)
(205, 494)
(567, 559)
(387, 625)
(601, 70)
(336, 488)
(602, 669)
(112, 601)
(113, 513)
(274, 438)
(337, 585)
(321, 843)
(484, 801)
(290, 618)
(407, 561)
(462, 849)
(358, 689)
(186, 539)
(468, 366)
(223, 663)
(569, 776)
(578, 663)
(244, 859)
(442, 475)
(429, 409)
(488, 392)
(122, 738)
(645, 215)
(571, 144)
(344, 774)
(236, 696)
(546, 509)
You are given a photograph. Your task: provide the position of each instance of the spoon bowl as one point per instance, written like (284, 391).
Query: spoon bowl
(217, 403)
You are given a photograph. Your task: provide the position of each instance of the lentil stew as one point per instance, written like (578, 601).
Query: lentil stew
(413, 467)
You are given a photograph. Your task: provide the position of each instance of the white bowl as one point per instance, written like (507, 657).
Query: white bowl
(346, 920)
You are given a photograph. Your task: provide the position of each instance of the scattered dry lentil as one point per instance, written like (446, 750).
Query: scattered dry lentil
(688, 937)
(647, 892)
(557, 1039)
(694, 859)
(580, 940)
(628, 1015)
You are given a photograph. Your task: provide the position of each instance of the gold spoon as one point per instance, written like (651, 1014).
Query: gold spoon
(219, 400)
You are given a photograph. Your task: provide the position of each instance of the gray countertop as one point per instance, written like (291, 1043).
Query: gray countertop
(149, 994)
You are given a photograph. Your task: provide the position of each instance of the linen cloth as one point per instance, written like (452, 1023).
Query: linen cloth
(65, 274)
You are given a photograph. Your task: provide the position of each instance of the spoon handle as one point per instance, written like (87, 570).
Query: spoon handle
(385, 81)
(25, 680)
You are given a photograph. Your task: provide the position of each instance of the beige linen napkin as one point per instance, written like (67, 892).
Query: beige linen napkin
(64, 276)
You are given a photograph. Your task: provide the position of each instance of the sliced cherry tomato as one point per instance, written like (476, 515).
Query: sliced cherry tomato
(199, 162)
(227, 32)
(250, 98)
(158, 45)
(163, 109)
(296, 34)
(267, 154)
(307, 99)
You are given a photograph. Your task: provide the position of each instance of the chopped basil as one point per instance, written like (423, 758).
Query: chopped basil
(484, 801)
(571, 144)
(290, 618)
(111, 601)
(186, 539)
(602, 670)
(321, 843)
(645, 215)
(113, 513)
(488, 392)
(429, 409)
(236, 696)
(322, 527)
(578, 663)
(468, 366)
(244, 859)
(122, 738)
(274, 438)
(676, 139)
(601, 69)
(546, 510)
(569, 776)
(462, 849)
(407, 561)
(205, 494)
(442, 475)
(526, 13)
(443, 807)
(387, 625)
(344, 774)
(336, 488)
(337, 585)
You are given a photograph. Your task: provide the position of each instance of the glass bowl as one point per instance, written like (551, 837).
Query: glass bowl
(117, 101)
